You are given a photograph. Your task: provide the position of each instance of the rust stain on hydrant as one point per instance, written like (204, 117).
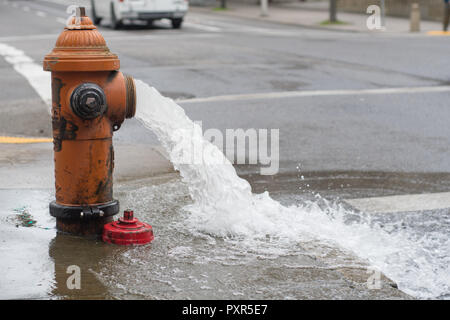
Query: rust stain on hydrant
(91, 99)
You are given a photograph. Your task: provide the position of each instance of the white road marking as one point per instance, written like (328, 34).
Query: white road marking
(61, 20)
(109, 35)
(241, 28)
(83, 3)
(41, 14)
(40, 80)
(33, 72)
(160, 36)
(402, 203)
(202, 27)
(269, 32)
(313, 93)
(29, 37)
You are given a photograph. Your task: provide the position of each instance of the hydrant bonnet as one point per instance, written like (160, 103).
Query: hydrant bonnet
(81, 48)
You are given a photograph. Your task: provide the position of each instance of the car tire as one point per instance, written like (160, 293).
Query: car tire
(96, 19)
(176, 23)
(115, 24)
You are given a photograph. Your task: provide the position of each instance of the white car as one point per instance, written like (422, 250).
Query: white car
(148, 10)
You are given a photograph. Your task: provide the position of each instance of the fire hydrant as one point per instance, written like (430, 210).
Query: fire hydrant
(90, 100)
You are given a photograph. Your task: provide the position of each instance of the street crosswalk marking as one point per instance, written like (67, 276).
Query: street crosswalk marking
(29, 37)
(315, 93)
(202, 27)
(402, 203)
(61, 20)
(33, 72)
(214, 26)
(41, 14)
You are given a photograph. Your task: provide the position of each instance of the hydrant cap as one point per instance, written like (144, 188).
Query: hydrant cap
(127, 231)
(80, 47)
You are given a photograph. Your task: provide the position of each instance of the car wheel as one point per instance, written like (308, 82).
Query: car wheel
(176, 23)
(115, 24)
(95, 18)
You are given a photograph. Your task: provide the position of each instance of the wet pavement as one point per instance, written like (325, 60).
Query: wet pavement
(182, 263)
(341, 147)
(178, 264)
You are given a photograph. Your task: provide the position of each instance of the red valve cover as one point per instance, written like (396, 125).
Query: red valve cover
(127, 231)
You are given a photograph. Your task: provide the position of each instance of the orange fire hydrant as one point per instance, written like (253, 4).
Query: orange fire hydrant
(90, 100)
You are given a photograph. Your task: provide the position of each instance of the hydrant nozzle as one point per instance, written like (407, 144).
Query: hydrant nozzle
(90, 100)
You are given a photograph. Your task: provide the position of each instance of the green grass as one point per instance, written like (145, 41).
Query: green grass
(329, 23)
(220, 9)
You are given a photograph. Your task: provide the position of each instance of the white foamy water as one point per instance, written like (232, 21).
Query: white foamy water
(224, 206)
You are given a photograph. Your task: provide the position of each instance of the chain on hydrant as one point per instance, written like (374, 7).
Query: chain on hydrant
(91, 99)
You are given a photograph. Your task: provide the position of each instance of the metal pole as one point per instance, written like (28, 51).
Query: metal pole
(415, 18)
(264, 8)
(383, 14)
(333, 11)
(223, 4)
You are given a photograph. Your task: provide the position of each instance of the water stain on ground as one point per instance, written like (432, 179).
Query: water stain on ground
(350, 184)
(286, 85)
(175, 95)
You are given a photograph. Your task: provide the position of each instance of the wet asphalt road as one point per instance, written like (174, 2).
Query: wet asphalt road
(214, 55)
(344, 146)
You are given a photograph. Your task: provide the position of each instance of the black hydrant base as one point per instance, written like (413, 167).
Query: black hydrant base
(84, 212)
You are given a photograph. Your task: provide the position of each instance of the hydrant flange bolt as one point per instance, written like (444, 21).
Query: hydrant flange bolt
(88, 101)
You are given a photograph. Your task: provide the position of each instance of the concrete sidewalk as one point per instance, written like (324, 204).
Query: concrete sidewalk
(29, 166)
(35, 258)
(314, 15)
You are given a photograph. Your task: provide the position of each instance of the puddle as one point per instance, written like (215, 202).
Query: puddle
(183, 264)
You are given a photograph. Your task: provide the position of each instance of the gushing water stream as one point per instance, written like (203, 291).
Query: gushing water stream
(224, 206)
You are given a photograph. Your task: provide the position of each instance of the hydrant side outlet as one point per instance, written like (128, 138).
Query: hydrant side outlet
(90, 100)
